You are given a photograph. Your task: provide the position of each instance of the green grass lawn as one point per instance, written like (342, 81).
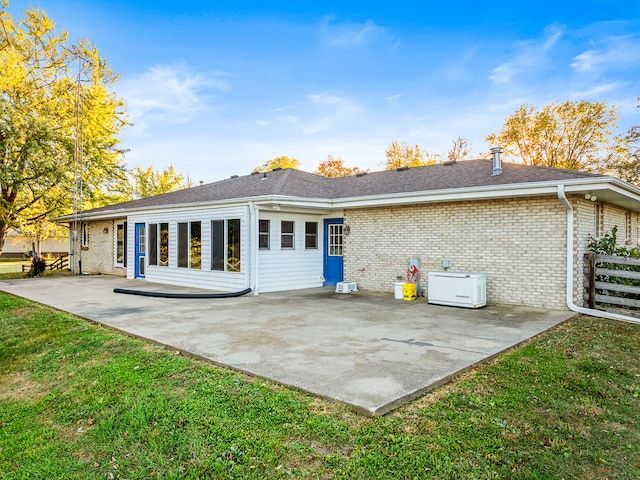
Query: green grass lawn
(12, 266)
(79, 401)
(12, 269)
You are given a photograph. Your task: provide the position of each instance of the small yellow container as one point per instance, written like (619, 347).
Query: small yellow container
(409, 291)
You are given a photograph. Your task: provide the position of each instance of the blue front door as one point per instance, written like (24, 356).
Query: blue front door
(333, 251)
(140, 250)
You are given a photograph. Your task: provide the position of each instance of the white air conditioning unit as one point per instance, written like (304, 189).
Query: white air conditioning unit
(458, 289)
(346, 287)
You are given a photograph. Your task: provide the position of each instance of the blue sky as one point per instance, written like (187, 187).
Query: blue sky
(218, 87)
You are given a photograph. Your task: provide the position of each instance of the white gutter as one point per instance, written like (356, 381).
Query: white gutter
(570, 304)
(253, 247)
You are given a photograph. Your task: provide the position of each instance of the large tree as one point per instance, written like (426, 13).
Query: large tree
(334, 167)
(626, 156)
(149, 182)
(400, 154)
(572, 135)
(279, 162)
(58, 122)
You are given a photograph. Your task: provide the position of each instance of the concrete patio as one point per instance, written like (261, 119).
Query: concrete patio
(366, 350)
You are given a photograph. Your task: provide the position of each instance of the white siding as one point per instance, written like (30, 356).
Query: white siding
(277, 268)
(205, 277)
(290, 269)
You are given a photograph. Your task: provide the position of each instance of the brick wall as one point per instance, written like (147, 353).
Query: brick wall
(519, 243)
(97, 257)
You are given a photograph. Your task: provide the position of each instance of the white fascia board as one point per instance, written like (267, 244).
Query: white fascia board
(324, 204)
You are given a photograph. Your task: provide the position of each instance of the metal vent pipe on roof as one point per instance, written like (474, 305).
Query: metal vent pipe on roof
(497, 162)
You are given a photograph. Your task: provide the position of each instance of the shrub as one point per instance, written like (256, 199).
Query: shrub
(38, 266)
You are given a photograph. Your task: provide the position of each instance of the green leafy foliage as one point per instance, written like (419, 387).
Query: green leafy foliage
(334, 167)
(608, 245)
(58, 121)
(149, 182)
(38, 266)
(279, 162)
(571, 135)
(400, 154)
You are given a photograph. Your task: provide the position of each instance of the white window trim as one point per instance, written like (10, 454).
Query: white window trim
(266, 234)
(84, 235)
(288, 234)
(115, 244)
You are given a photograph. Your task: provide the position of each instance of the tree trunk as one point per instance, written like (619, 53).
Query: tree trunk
(3, 236)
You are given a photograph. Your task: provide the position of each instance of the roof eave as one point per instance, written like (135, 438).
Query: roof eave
(487, 192)
(270, 200)
(607, 188)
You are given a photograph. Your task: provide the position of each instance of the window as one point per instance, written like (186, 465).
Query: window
(84, 235)
(225, 245)
(233, 245)
(598, 219)
(311, 235)
(183, 245)
(263, 235)
(195, 245)
(153, 244)
(164, 245)
(121, 244)
(217, 245)
(189, 245)
(335, 240)
(158, 244)
(287, 237)
(628, 225)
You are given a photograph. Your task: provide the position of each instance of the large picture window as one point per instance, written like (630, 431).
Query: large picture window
(153, 244)
(183, 245)
(158, 244)
(163, 245)
(195, 245)
(189, 245)
(233, 245)
(225, 245)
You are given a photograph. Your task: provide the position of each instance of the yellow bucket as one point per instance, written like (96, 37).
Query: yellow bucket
(409, 291)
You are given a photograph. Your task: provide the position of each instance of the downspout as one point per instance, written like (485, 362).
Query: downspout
(253, 245)
(572, 306)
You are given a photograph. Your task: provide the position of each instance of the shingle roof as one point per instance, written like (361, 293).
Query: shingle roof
(296, 183)
(464, 174)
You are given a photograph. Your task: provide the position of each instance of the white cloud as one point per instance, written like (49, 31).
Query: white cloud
(531, 54)
(347, 35)
(288, 118)
(170, 94)
(393, 99)
(336, 110)
(614, 52)
(598, 90)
